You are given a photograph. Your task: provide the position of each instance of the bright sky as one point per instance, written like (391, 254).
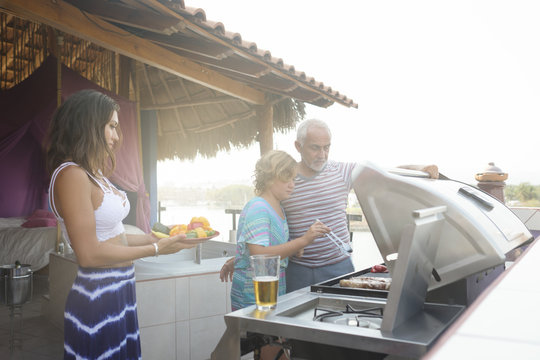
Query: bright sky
(455, 83)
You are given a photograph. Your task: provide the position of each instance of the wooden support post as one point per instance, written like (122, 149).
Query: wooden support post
(60, 43)
(124, 71)
(265, 116)
(52, 46)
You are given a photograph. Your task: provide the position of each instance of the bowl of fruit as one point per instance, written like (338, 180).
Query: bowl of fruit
(197, 230)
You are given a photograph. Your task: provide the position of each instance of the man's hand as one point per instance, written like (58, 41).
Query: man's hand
(432, 169)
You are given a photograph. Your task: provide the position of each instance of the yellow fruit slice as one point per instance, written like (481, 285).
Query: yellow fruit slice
(200, 232)
(160, 235)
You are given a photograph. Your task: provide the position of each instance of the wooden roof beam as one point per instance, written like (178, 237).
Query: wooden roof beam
(229, 121)
(183, 104)
(149, 86)
(137, 18)
(193, 110)
(69, 19)
(195, 46)
(238, 65)
(171, 98)
(193, 104)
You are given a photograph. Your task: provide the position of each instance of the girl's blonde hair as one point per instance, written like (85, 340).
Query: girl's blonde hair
(275, 164)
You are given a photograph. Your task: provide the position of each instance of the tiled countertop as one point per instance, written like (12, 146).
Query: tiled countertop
(504, 322)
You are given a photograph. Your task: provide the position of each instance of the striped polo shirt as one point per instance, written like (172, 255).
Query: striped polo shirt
(322, 197)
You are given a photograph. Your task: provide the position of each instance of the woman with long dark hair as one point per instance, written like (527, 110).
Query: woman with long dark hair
(100, 318)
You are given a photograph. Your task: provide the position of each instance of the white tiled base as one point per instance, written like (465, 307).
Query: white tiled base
(156, 302)
(159, 342)
(183, 341)
(182, 318)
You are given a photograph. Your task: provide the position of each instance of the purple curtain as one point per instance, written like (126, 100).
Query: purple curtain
(25, 112)
(24, 116)
(128, 173)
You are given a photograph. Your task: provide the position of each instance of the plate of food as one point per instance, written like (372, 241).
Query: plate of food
(197, 231)
(197, 240)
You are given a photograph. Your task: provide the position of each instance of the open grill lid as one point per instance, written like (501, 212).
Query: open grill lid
(477, 233)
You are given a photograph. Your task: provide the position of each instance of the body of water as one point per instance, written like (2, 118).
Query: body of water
(365, 252)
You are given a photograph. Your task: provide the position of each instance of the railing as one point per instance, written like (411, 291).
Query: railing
(234, 212)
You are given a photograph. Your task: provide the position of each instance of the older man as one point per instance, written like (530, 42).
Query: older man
(321, 192)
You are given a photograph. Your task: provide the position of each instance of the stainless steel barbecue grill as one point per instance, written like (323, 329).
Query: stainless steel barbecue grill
(432, 234)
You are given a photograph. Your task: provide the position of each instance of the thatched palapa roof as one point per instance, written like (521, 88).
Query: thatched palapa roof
(209, 87)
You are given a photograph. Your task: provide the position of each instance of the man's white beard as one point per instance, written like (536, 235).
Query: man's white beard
(316, 168)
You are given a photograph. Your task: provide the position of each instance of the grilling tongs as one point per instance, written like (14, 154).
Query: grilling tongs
(344, 247)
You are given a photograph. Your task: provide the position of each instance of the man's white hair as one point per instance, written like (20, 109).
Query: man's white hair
(301, 132)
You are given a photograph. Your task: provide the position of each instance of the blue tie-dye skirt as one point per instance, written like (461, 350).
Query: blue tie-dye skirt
(100, 320)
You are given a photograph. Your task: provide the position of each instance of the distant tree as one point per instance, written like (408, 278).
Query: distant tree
(510, 193)
(523, 194)
(526, 192)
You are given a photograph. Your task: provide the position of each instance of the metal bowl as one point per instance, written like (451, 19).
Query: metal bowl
(15, 284)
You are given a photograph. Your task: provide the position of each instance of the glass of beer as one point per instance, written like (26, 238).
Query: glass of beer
(265, 280)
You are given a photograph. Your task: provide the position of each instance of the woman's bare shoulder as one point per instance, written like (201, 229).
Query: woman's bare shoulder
(72, 174)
